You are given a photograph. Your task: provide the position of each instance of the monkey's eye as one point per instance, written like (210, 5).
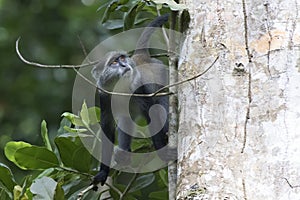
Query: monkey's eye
(115, 62)
(122, 58)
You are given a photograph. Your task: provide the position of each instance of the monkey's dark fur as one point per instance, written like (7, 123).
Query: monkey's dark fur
(136, 73)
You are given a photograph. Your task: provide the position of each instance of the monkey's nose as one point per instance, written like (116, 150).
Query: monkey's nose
(123, 64)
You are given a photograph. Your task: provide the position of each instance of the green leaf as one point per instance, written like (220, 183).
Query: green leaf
(104, 4)
(25, 187)
(65, 122)
(114, 24)
(142, 182)
(140, 21)
(119, 23)
(4, 195)
(35, 157)
(94, 115)
(66, 148)
(123, 8)
(6, 177)
(84, 114)
(82, 159)
(87, 116)
(46, 172)
(71, 182)
(11, 148)
(123, 2)
(140, 144)
(110, 8)
(44, 133)
(172, 4)
(73, 155)
(131, 15)
(59, 192)
(159, 195)
(74, 119)
(43, 188)
(164, 176)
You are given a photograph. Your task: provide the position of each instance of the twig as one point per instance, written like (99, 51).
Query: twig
(186, 80)
(120, 93)
(90, 187)
(291, 186)
(128, 186)
(114, 188)
(50, 66)
(83, 48)
(74, 171)
(83, 192)
(158, 93)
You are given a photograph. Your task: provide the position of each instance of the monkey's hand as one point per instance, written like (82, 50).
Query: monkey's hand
(99, 178)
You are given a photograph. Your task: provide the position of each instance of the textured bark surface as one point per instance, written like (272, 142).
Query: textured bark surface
(239, 124)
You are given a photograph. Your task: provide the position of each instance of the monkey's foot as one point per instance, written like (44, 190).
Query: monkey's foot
(99, 178)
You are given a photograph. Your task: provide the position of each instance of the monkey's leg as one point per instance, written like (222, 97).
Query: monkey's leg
(160, 138)
(125, 128)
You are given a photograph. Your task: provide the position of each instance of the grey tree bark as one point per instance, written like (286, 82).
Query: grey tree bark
(239, 124)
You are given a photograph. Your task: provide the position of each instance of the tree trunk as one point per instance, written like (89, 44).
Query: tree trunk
(239, 124)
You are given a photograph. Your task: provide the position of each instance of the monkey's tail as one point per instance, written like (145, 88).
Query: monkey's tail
(143, 42)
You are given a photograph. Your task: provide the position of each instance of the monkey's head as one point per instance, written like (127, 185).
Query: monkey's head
(114, 66)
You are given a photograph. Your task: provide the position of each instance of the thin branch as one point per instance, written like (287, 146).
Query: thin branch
(101, 193)
(50, 66)
(114, 188)
(120, 93)
(83, 48)
(82, 76)
(128, 186)
(186, 80)
(291, 186)
(74, 171)
(83, 192)
(158, 93)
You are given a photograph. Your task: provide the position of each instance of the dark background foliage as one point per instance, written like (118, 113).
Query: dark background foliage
(49, 32)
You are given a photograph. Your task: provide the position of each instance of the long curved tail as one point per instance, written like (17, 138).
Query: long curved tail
(142, 44)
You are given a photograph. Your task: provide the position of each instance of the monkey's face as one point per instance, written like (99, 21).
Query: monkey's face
(116, 66)
(120, 65)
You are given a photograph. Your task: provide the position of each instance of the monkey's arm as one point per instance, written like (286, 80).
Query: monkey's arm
(107, 140)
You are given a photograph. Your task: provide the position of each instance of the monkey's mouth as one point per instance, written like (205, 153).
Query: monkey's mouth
(125, 71)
